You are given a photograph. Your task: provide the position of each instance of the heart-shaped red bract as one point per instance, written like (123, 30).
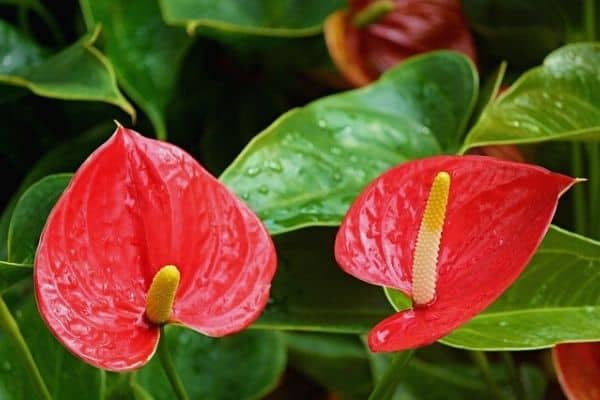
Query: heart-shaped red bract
(134, 206)
(578, 369)
(497, 214)
(411, 27)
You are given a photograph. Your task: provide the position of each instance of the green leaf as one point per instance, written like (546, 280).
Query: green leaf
(11, 273)
(556, 299)
(285, 18)
(29, 217)
(63, 158)
(17, 51)
(310, 292)
(145, 53)
(78, 72)
(65, 375)
(337, 362)
(556, 101)
(243, 366)
(310, 164)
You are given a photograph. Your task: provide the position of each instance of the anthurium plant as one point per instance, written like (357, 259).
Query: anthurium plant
(324, 199)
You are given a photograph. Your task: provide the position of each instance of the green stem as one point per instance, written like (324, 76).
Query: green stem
(589, 16)
(9, 325)
(578, 190)
(594, 188)
(480, 360)
(513, 375)
(167, 363)
(385, 388)
(372, 13)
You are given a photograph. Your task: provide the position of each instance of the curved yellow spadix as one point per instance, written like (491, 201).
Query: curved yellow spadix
(425, 258)
(161, 295)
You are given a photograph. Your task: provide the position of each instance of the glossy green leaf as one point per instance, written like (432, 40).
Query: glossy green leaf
(337, 362)
(310, 292)
(78, 72)
(145, 53)
(17, 52)
(65, 375)
(243, 366)
(29, 217)
(286, 18)
(556, 101)
(64, 158)
(556, 299)
(11, 273)
(310, 164)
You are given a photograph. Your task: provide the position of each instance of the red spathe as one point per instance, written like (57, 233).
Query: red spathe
(497, 215)
(136, 205)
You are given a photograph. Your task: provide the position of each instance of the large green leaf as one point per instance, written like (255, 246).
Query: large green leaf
(556, 101)
(310, 164)
(145, 53)
(29, 217)
(66, 376)
(78, 72)
(64, 158)
(11, 273)
(311, 292)
(243, 366)
(556, 299)
(286, 18)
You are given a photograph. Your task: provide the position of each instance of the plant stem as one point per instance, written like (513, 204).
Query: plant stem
(372, 13)
(578, 190)
(384, 389)
(169, 367)
(513, 375)
(594, 188)
(480, 360)
(9, 325)
(589, 18)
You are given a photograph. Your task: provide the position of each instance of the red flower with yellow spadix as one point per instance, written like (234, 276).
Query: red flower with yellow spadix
(141, 237)
(450, 232)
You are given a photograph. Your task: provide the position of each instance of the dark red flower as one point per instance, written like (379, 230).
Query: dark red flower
(142, 236)
(406, 28)
(450, 232)
(578, 369)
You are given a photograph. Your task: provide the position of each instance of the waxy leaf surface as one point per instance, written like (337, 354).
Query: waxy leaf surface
(244, 366)
(133, 207)
(309, 165)
(145, 53)
(78, 72)
(556, 101)
(577, 367)
(497, 214)
(252, 17)
(554, 300)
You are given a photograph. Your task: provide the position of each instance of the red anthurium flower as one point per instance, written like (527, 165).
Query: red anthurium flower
(450, 232)
(374, 35)
(578, 369)
(144, 236)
